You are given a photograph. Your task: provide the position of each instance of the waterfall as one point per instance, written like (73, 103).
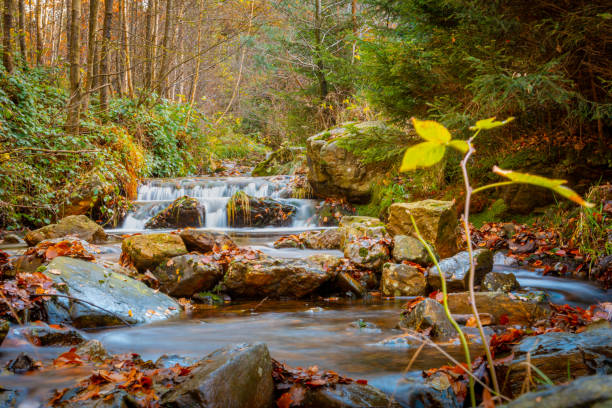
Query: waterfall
(213, 193)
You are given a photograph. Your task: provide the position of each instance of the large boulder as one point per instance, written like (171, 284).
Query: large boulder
(148, 251)
(516, 310)
(183, 212)
(235, 377)
(286, 160)
(407, 248)
(276, 278)
(246, 211)
(436, 220)
(560, 354)
(75, 225)
(402, 280)
(456, 270)
(112, 299)
(429, 315)
(186, 275)
(204, 241)
(586, 392)
(334, 171)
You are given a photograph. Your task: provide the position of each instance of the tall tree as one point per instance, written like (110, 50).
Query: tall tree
(22, 33)
(127, 73)
(7, 28)
(105, 77)
(149, 46)
(94, 5)
(39, 36)
(162, 83)
(323, 89)
(74, 102)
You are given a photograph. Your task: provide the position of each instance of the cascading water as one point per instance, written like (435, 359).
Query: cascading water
(214, 194)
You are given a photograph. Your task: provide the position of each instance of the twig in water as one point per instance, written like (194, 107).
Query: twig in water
(453, 360)
(11, 308)
(259, 304)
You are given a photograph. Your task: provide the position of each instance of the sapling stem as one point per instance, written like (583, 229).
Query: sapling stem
(464, 343)
(468, 238)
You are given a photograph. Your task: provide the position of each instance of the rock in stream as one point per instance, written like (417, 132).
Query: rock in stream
(124, 298)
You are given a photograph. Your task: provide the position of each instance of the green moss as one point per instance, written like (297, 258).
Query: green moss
(363, 252)
(382, 198)
(492, 214)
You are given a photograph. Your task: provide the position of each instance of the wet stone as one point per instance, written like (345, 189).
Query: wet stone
(585, 392)
(204, 241)
(148, 251)
(239, 376)
(558, 353)
(407, 248)
(44, 335)
(116, 298)
(346, 283)
(347, 396)
(429, 315)
(186, 275)
(402, 280)
(500, 282)
(524, 310)
(456, 270)
(22, 364)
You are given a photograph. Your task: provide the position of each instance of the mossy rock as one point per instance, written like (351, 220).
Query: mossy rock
(183, 212)
(74, 225)
(148, 251)
(347, 161)
(436, 220)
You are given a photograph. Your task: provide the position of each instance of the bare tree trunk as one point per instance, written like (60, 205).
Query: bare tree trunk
(68, 20)
(94, 5)
(39, 37)
(74, 103)
(105, 79)
(196, 76)
(162, 86)
(126, 50)
(149, 46)
(22, 33)
(7, 28)
(323, 88)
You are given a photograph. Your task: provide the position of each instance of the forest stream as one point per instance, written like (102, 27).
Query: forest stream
(357, 338)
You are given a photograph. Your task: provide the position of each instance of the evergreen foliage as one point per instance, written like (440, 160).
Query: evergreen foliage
(459, 60)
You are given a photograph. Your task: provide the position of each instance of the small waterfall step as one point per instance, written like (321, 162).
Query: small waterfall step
(155, 195)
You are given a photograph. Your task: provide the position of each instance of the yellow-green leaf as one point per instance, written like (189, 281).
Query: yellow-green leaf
(551, 184)
(490, 123)
(460, 145)
(431, 131)
(424, 154)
